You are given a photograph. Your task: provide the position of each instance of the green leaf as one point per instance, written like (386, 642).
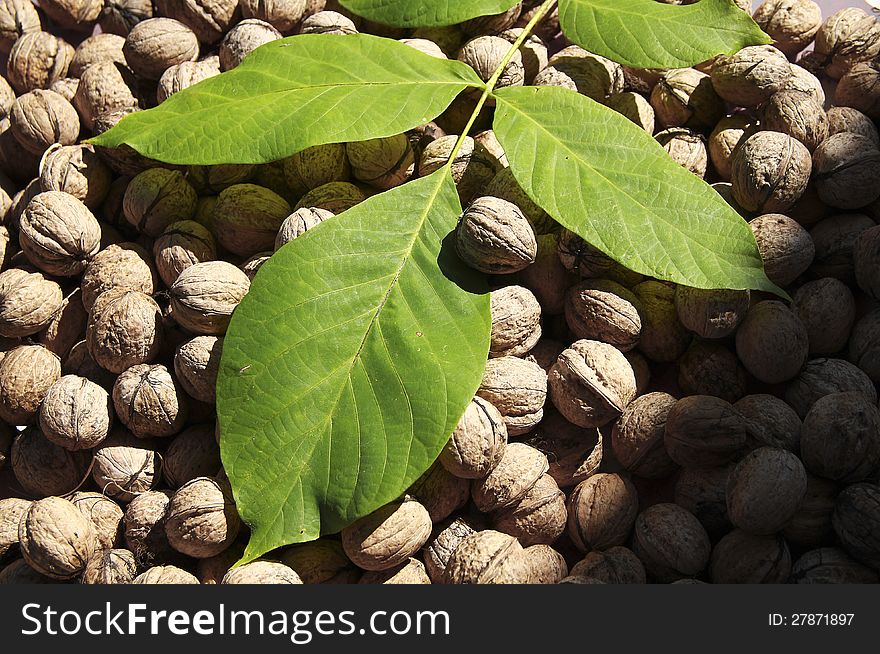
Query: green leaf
(425, 13)
(294, 93)
(607, 180)
(348, 364)
(650, 34)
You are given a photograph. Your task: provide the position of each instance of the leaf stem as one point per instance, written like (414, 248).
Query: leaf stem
(490, 85)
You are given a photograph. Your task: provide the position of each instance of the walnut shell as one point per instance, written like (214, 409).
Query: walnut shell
(156, 198)
(685, 98)
(440, 549)
(181, 245)
(616, 565)
(821, 377)
(12, 509)
(671, 543)
(121, 266)
(76, 15)
(196, 364)
(576, 69)
(247, 218)
(17, 17)
(792, 24)
(104, 88)
(243, 39)
(59, 234)
(769, 422)
(28, 302)
(165, 574)
(663, 338)
(411, 572)
(125, 467)
(298, 223)
(847, 171)
(43, 468)
(573, 453)
(208, 19)
(382, 163)
(603, 310)
(858, 89)
(316, 166)
(856, 521)
(703, 492)
(770, 172)
(516, 321)
(76, 413)
(711, 313)
(36, 60)
(772, 342)
(494, 236)
(591, 383)
(77, 170)
(148, 401)
(26, 374)
(472, 168)
(95, 49)
(487, 557)
(56, 539)
(284, 15)
(202, 520)
(104, 514)
(440, 492)
(830, 565)
(847, 119)
(261, 572)
(485, 54)
(19, 572)
(703, 431)
(505, 187)
(765, 489)
(834, 238)
(840, 438)
(193, 453)
(387, 536)
(320, 562)
(515, 474)
(112, 566)
(328, 22)
(743, 558)
(686, 147)
(601, 512)
(637, 437)
(477, 443)
(635, 107)
(798, 114)
(185, 74)
(810, 526)
(726, 136)
(154, 45)
(538, 517)
(863, 345)
(785, 247)
(144, 526)
(845, 38)
(204, 296)
(40, 118)
(750, 76)
(518, 389)
(124, 329)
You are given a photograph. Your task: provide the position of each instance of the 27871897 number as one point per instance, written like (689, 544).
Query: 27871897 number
(810, 619)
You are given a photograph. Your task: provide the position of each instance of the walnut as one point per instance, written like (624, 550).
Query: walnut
(772, 342)
(770, 172)
(493, 24)
(485, 53)
(518, 389)
(328, 22)
(726, 136)
(477, 443)
(154, 45)
(591, 383)
(209, 19)
(28, 302)
(253, 264)
(685, 98)
(704, 431)
(243, 39)
(637, 437)
(546, 565)
(426, 46)
(80, 362)
(56, 539)
(36, 60)
(573, 453)
(104, 514)
(505, 187)
(840, 437)
(40, 118)
(165, 574)
(202, 520)
(576, 69)
(76, 170)
(810, 526)
(827, 309)
(299, 222)
(663, 338)
(438, 552)
(834, 239)
(601, 512)
(76, 413)
(821, 377)
(119, 16)
(635, 108)
(711, 313)
(59, 234)
(603, 310)
(124, 329)
(487, 557)
(538, 517)
(785, 247)
(769, 422)
(847, 171)
(316, 166)
(410, 572)
(798, 114)
(94, 49)
(615, 565)
(516, 324)
(686, 147)
(43, 468)
(511, 479)
(494, 236)
(148, 401)
(261, 572)
(125, 467)
(472, 169)
(26, 373)
(750, 76)
(193, 453)
(17, 17)
(387, 536)
(830, 565)
(144, 526)
(856, 521)
(185, 74)
(382, 163)
(847, 119)
(671, 543)
(440, 492)
(743, 558)
(791, 24)
(156, 198)
(12, 509)
(105, 94)
(196, 364)
(204, 296)
(211, 571)
(845, 38)
(112, 566)
(19, 572)
(283, 15)
(247, 218)
(76, 15)
(180, 246)
(703, 492)
(803, 80)
(216, 178)
(534, 52)
(119, 266)
(320, 562)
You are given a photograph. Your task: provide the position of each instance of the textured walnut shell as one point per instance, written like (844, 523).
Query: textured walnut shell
(856, 521)
(11, 511)
(104, 514)
(112, 566)
(785, 247)
(743, 558)
(770, 172)
(148, 401)
(821, 377)
(247, 218)
(96, 49)
(298, 223)
(26, 373)
(798, 114)
(538, 517)
(518, 389)
(671, 543)
(685, 98)
(601, 512)
(750, 76)
(125, 467)
(545, 564)
(216, 178)
(202, 520)
(28, 302)
(144, 526)
(59, 234)
(573, 453)
(43, 469)
(196, 363)
(36, 60)
(411, 572)
(831, 565)
(104, 87)
(124, 329)
(770, 422)
(516, 473)
(637, 437)
(440, 549)
(703, 492)
(208, 19)
(853, 121)
(703, 431)
(584, 72)
(494, 236)
(76, 15)
(516, 321)
(320, 562)
(662, 338)
(204, 296)
(726, 135)
(261, 572)
(17, 17)
(686, 147)
(181, 245)
(840, 438)
(119, 266)
(505, 187)
(772, 342)
(165, 574)
(193, 453)
(635, 107)
(40, 118)
(154, 45)
(863, 345)
(603, 310)
(791, 24)
(67, 327)
(185, 74)
(440, 492)
(19, 572)
(382, 163)
(487, 557)
(472, 168)
(616, 565)
(845, 38)
(847, 171)
(859, 89)
(76, 413)
(156, 198)
(834, 238)
(765, 489)
(316, 166)
(485, 53)
(284, 15)
(388, 536)
(710, 313)
(591, 383)
(56, 539)
(810, 526)
(77, 170)
(243, 39)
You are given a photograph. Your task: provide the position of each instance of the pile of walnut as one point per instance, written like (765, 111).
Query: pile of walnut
(626, 430)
